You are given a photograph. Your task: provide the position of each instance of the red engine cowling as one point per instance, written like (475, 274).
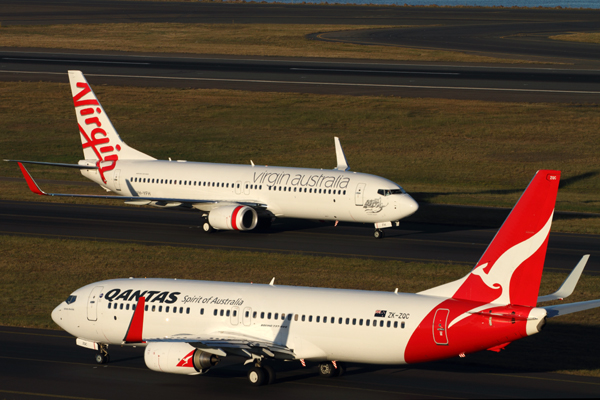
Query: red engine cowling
(234, 217)
(178, 358)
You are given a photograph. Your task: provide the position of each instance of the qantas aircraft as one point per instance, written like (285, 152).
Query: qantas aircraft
(230, 197)
(187, 326)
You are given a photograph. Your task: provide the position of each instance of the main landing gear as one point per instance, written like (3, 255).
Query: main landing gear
(331, 369)
(102, 356)
(260, 375)
(379, 234)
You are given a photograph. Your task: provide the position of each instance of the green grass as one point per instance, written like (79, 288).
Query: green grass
(265, 40)
(37, 274)
(583, 37)
(441, 151)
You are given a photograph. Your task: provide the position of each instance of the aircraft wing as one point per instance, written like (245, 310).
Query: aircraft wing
(201, 204)
(232, 343)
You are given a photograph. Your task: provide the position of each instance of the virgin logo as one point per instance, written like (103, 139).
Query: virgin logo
(97, 139)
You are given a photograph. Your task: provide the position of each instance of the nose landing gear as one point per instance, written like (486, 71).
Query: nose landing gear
(102, 357)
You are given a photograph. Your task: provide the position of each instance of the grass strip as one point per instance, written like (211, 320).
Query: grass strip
(273, 40)
(37, 274)
(583, 37)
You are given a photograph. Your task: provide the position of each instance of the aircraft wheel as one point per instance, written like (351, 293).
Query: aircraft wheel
(207, 227)
(378, 234)
(271, 376)
(257, 376)
(102, 358)
(327, 370)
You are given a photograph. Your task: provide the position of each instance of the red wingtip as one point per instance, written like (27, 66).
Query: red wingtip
(134, 332)
(30, 182)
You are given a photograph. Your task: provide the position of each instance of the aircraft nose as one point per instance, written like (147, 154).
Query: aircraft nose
(408, 206)
(57, 315)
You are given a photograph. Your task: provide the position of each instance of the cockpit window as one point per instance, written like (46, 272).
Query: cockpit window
(389, 192)
(71, 299)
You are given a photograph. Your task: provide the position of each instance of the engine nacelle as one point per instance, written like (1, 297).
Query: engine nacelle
(234, 217)
(178, 358)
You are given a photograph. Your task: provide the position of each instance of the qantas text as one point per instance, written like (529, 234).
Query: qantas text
(150, 295)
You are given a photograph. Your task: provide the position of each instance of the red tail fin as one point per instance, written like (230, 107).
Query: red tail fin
(510, 270)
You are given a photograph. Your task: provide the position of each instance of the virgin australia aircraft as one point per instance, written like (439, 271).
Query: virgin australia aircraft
(230, 197)
(188, 326)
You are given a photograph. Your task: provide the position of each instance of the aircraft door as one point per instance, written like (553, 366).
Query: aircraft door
(247, 317)
(92, 308)
(235, 315)
(359, 194)
(440, 326)
(116, 179)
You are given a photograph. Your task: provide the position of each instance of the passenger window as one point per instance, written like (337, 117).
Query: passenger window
(215, 312)
(381, 323)
(127, 306)
(395, 324)
(324, 320)
(368, 322)
(201, 311)
(318, 318)
(145, 308)
(167, 308)
(295, 317)
(153, 308)
(109, 305)
(133, 307)
(254, 314)
(303, 318)
(360, 322)
(262, 315)
(340, 321)
(402, 325)
(222, 313)
(181, 310)
(227, 313)
(247, 314)
(276, 316)
(269, 316)
(347, 321)
(175, 311)
(159, 308)
(187, 310)
(353, 321)
(333, 320)
(310, 318)
(121, 306)
(389, 323)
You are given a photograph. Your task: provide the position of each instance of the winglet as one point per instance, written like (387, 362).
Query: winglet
(342, 164)
(30, 182)
(569, 284)
(136, 326)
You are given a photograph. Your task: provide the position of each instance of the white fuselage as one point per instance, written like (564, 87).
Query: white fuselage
(317, 323)
(283, 191)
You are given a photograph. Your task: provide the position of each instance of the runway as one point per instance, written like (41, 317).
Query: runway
(410, 242)
(37, 363)
(504, 33)
(501, 83)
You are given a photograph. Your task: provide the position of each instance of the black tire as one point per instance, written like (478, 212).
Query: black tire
(271, 375)
(257, 376)
(378, 234)
(207, 227)
(327, 370)
(101, 358)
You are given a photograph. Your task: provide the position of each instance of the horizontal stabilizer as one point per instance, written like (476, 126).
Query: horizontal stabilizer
(563, 309)
(569, 284)
(55, 164)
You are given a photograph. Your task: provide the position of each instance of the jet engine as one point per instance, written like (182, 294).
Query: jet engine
(234, 217)
(178, 358)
